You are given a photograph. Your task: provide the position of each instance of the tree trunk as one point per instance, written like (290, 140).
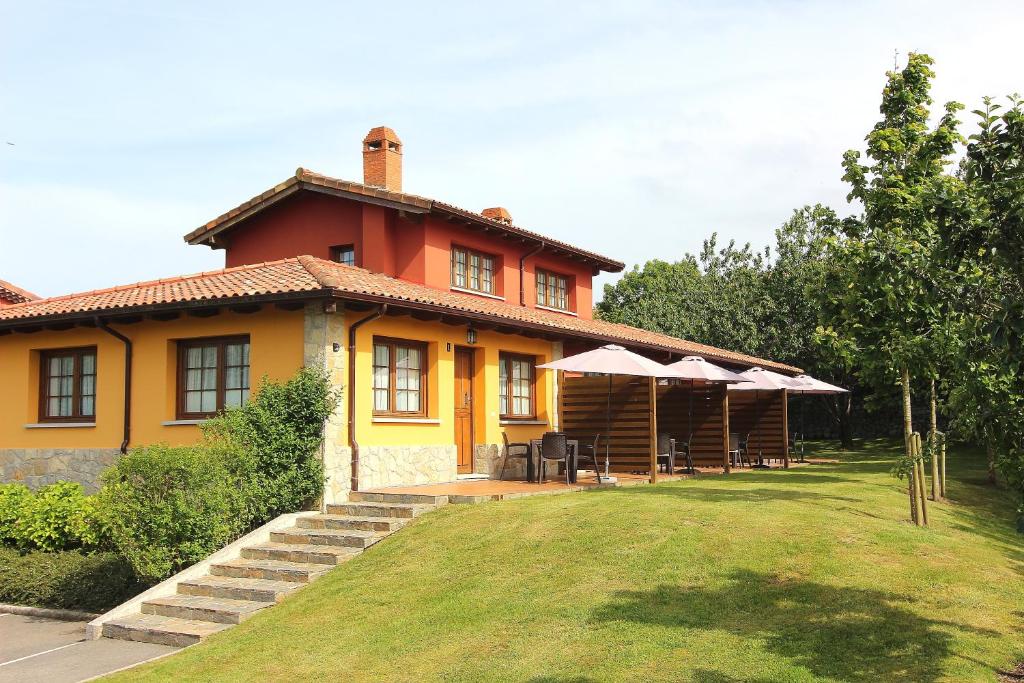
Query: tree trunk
(908, 441)
(990, 451)
(942, 469)
(933, 446)
(919, 466)
(845, 428)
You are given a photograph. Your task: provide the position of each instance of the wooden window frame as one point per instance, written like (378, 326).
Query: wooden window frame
(542, 293)
(391, 343)
(76, 384)
(220, 342)
(507, 390)
(338, 249)
(470, 253)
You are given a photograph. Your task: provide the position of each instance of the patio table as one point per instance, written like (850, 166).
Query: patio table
(572, 444)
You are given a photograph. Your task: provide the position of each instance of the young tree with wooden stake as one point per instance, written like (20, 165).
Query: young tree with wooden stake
(886, 303)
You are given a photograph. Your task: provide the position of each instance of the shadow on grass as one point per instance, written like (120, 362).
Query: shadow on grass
(851, 634)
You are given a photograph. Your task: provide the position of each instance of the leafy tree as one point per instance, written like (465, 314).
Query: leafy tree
(884, 309)
(983, 240)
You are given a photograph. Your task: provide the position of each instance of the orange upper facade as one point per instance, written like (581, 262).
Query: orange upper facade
(374, 225)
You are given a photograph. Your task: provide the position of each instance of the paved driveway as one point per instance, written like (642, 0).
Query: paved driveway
(49, 651)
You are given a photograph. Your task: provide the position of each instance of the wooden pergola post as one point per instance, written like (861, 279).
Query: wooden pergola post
(725, 429)
(652, 386)
(785, 428)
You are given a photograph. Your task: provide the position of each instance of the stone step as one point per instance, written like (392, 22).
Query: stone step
(378, 524)
(372, 509)
(152, 628)
(272, 570)
(257, 590)
(294, 552)
(201, 608)
(348, 538)
(415, 498)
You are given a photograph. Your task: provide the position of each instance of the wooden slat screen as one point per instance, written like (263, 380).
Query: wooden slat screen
(758, 414)
(584, 405)
(674, 417)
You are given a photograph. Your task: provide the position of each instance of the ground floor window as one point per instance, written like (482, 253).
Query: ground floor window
(213, 374)
(399, 377)
(515, 383)
(68, 385)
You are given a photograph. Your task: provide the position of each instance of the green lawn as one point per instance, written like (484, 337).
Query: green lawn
(809, 574)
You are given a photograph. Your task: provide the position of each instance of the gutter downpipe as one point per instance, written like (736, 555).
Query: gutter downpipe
(353, 443)
(127, 381)
(522, 271)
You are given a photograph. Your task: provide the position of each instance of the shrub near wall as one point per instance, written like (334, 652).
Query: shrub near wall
(169, 507)
(54, 518)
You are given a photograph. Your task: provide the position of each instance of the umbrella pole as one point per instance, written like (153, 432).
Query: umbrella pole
(608, 429)
(803, 432)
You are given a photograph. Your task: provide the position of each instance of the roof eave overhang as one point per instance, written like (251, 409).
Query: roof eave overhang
(207, 235)
(473, 316)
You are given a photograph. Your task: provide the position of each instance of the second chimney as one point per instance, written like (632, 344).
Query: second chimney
(382, 159)
(497, 213)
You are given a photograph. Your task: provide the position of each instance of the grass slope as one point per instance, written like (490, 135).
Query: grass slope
(809, 574)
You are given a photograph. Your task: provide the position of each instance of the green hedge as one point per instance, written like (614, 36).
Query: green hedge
(66, 580)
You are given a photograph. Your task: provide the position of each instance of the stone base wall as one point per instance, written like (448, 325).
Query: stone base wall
(406, 465)
(37, 467)
(338, 474)
(487, 459)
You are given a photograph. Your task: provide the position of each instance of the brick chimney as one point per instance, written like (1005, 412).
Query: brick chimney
(498, 213)
(382, 159)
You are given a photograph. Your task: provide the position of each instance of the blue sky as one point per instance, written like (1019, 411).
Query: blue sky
(634, 129)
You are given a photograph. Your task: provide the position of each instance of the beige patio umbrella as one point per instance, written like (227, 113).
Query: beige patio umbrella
(613, 359)
(760, 380)
(811, 385)
(696, 368)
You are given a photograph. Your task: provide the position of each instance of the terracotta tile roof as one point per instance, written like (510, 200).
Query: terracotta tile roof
(316, 277)
(232, 283)
(408, 201)
(15, 295)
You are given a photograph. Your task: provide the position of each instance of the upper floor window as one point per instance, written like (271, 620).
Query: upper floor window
(552, 290)
(344, 254)
(399, 377)
(472, 270)
(515, 385)
(68, 385)
(213, 374)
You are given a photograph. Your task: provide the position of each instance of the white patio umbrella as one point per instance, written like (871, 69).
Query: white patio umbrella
(760, 380)
(612, 359)
(696, 368)
(811, 385)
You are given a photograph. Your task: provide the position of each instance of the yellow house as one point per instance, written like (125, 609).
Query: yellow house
(431, 319)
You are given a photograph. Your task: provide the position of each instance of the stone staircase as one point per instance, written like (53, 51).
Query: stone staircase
(265, 573)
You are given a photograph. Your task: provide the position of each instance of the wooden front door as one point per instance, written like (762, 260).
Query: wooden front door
(464, 408)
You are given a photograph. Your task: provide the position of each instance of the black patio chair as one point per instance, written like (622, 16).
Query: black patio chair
(684, 448)
(516, 450)
(588, 456)
(554, 446)
(666, 452)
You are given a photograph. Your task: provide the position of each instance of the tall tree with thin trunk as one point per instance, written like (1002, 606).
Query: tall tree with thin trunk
(885, 307)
